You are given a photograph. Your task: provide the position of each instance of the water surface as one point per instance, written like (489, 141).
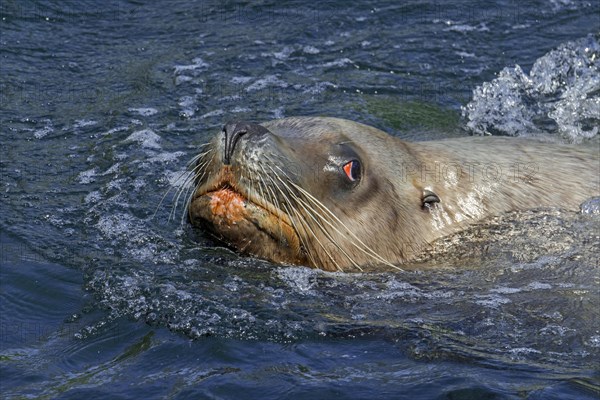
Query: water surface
(102, 295)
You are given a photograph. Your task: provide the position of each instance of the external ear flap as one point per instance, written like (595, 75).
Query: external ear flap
(428, 199)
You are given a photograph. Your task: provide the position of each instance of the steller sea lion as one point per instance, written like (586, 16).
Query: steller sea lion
(339, 195)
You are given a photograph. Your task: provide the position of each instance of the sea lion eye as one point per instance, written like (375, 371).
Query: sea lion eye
(352, 170)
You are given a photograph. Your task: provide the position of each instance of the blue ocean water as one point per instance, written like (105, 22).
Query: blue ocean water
(102, 295)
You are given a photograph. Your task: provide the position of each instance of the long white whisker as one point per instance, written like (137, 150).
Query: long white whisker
(191, 189)
(197, 157)
(269, 197)
(312, 213)
(174, 185)
(282, 206)
(294, 219)
(321, 228)
(365, 249)
(182, 187)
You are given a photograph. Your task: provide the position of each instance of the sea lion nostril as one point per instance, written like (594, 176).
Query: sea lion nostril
(233, 131)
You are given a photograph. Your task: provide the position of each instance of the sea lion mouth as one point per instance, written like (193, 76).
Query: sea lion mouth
(228, 198)
(245, 220)
(227, 203)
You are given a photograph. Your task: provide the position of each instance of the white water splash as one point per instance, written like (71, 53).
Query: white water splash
(560, 94)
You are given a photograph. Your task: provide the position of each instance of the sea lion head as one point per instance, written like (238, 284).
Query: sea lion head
(301, 190)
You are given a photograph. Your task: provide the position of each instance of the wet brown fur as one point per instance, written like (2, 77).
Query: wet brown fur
(381, 221)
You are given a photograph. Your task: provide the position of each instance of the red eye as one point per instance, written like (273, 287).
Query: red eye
(352, 170)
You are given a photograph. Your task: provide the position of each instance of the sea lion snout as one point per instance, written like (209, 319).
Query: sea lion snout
(234, 131)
